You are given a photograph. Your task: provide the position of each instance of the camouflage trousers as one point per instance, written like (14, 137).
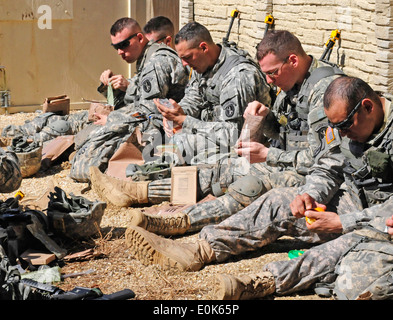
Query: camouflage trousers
(224, 172)
(197, 147)
(41, 128)
(317, 264)
(215, 211)
(212, 177)
(264, 221)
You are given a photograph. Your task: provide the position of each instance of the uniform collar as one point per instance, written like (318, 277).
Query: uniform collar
(143, 57)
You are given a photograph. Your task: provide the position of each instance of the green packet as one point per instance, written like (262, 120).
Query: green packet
(294, 254)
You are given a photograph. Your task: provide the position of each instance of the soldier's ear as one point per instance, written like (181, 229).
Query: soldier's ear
(168, 41)
(203, 45)
(140, 36)
(368, 105)
(293, 59)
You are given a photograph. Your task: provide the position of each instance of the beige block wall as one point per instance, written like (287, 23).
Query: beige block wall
(366, 29)
(68, 58)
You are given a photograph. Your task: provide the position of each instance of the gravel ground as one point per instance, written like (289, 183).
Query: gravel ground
(113, 268)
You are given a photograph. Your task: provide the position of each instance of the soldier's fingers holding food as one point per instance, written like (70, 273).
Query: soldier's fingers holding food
(300, 204)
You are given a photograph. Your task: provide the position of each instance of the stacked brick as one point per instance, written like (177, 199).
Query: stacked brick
(366, 29)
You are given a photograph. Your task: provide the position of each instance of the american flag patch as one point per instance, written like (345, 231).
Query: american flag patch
(329, 135)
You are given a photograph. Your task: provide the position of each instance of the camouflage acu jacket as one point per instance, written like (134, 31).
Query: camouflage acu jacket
(160, 74)
(215, 101)
(297, 112)
(366, 169)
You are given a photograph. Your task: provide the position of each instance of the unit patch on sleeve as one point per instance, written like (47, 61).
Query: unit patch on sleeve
(329, 135)
(146, 85)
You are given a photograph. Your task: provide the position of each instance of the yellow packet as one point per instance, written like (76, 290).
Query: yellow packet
(311, 220)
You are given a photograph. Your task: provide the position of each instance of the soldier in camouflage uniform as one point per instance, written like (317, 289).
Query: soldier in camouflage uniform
(362, 159)
(157, 30)
(159, 74)
(225, 80)
(297, 111)
(364, 162)
(210, 115)
(10, 175)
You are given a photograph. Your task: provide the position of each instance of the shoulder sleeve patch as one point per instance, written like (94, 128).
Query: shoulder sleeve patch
(329, 135)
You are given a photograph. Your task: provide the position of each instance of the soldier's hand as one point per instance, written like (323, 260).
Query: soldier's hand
(169, 129)
(301, 204)
(254, 152)
(175, 114)
(389, 224)
(119, 82)
(104, 78)
(325, 222)
(256, 109)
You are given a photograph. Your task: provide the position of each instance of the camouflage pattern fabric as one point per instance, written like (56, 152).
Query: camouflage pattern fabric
(365, 271)
(10, 174)
(328, 172)
(160, 75)
(283, 168)
(98, 147)
(356, 265)
(9, 278)
(278, 159)
(40, 128)
(316, 265)
(264, 221)
(215, 211)
(298, 156)
(269, 217)
(215, 103)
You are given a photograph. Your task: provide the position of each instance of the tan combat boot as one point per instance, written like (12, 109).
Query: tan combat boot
(40, 202)
(245, 287)
(166, 225)
(151, 249)
(121, 193)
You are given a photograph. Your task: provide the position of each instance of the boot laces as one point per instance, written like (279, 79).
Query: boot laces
(166, 222)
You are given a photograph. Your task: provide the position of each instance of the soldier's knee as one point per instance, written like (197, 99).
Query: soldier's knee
(60, 127)
(246, 189)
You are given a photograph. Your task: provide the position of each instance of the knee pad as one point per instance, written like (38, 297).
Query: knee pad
(246, 189)
(61, 127)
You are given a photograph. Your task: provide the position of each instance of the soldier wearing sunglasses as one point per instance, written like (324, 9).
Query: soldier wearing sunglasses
(303, 81)
(363, 162)
(160, 74)
(41, 128)
(134, 45)
(158, 29)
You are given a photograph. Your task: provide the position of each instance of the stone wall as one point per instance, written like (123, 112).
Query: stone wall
(366, 28)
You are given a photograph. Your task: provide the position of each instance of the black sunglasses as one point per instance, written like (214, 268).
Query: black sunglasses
(348, 122)
(123, 44)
